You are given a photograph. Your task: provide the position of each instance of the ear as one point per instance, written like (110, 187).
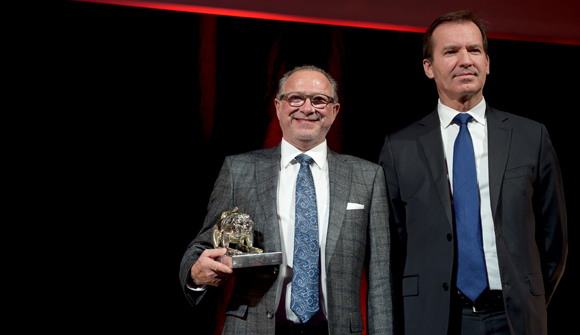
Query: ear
(335, 109)
(427, 67)
(487, 65)
(278, 105)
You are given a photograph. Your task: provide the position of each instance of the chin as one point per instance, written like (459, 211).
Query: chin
(304, 134)
(305, 137)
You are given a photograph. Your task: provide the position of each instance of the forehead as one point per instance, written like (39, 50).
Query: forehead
(456, 34)
(307, 81)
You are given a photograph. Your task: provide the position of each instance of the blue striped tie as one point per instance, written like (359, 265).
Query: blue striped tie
(305, 277)
(471, 272)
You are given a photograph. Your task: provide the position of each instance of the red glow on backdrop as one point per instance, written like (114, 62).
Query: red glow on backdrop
(507, 33)
(258, 15)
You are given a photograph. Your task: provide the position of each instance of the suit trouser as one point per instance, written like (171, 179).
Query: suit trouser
(484, 323)
(301, 330)
(465, 321)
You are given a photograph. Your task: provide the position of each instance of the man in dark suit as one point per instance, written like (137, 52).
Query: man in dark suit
(477, 199)
(347, 216)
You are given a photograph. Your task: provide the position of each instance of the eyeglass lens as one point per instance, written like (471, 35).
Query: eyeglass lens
(298, 99)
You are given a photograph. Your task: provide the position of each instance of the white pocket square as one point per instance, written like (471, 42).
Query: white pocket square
(352, 205)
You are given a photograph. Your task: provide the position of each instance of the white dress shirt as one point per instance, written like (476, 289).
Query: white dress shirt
(286, 197)
(478, 130)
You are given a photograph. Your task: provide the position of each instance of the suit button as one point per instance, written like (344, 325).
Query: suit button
(449, 237)
(445, 286)
(270, 315)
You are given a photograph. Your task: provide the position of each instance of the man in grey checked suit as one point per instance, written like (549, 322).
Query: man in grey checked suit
(352, 222)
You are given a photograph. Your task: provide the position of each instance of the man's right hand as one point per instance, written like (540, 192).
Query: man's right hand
(207, 271)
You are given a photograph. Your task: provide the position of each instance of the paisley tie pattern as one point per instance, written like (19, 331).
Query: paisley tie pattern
(306, 276)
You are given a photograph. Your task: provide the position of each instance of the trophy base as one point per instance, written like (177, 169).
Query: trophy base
(251, 260)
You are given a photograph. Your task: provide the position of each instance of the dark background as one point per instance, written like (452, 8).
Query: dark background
(143, 157)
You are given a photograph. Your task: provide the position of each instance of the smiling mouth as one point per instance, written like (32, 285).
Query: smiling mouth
(307, 120)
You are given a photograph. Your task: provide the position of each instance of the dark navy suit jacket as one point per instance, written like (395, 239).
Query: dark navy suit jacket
(528, 209)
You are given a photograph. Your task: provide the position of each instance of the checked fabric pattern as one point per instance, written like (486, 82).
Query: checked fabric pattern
(306, 274)
(471, 272)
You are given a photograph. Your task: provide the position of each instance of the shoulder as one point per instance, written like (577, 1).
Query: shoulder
(519, 123)
(506, 116)
(255, 155)
(429, 122)
(245, 164)
(352, 161)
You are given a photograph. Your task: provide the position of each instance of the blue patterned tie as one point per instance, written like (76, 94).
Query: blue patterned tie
(471, 272)
(305, 277)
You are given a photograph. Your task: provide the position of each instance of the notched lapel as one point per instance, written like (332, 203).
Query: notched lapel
(339, 177)
(499, 139)
(267, 172)
(432, 146)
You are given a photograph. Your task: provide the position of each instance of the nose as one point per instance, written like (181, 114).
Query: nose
(307, 107)
(465, 58)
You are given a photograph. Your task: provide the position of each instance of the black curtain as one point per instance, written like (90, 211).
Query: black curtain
(158, 98)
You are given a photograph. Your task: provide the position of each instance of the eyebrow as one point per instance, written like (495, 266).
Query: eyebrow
(314, 94)
(457, 47)
(454, 46)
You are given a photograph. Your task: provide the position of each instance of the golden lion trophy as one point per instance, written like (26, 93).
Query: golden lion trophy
(235, 232)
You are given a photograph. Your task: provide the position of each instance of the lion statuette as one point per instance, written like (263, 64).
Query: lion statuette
(237, 229)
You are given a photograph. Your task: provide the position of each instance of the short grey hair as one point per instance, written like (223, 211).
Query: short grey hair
(286, 75)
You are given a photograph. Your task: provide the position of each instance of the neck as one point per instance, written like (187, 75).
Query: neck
(303, 146)
(462, 104)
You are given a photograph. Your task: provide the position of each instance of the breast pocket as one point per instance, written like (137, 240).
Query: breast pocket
(522, 171)
(519, 180)
(354, 231)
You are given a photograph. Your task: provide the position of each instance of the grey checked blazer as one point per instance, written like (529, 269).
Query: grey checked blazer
(356, 238)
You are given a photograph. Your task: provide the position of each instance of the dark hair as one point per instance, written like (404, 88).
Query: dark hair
(282, 81)
(462, 16)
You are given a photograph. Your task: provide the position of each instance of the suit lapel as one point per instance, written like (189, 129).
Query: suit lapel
(498, 144)
(339, 177)
(267, 172)
(432, 145)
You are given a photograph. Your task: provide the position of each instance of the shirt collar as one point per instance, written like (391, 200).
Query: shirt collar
(446, 114)
(289, 152)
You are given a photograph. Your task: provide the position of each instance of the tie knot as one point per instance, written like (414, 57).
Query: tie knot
(462, 118)
(304, 160)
